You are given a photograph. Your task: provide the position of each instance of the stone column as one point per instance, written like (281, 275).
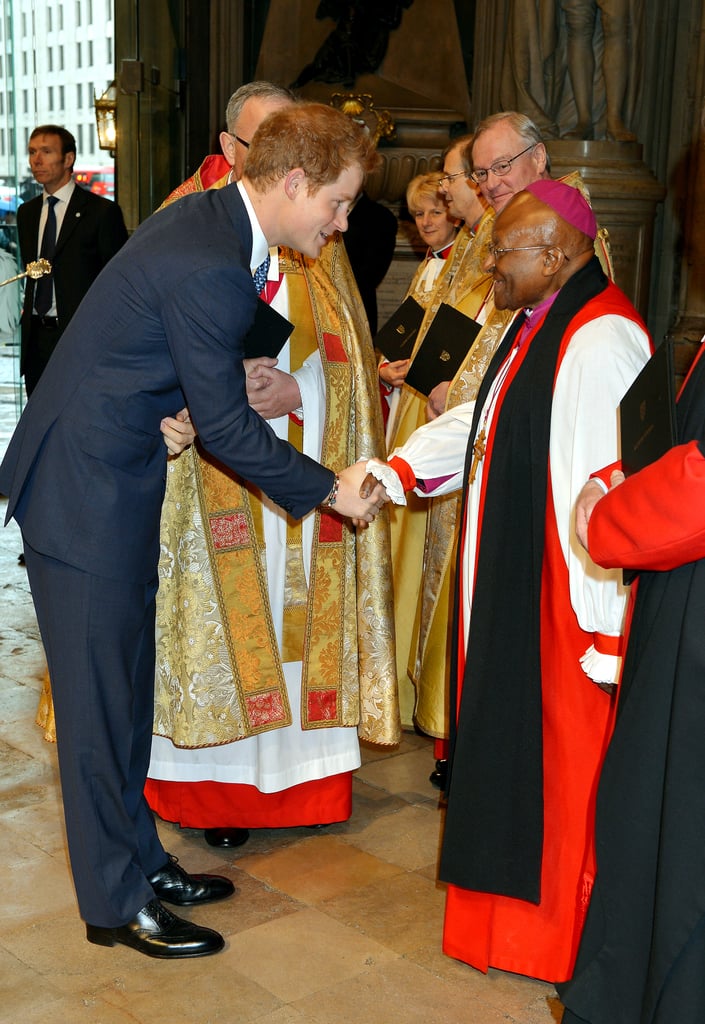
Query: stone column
(624, 196)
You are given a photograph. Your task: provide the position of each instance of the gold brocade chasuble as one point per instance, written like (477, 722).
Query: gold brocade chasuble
(219, 670)
(462, 284)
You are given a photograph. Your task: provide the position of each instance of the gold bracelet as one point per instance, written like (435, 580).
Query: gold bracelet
(330, 500)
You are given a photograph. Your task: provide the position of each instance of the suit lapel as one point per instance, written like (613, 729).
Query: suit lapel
(74, 211)
(30, 227)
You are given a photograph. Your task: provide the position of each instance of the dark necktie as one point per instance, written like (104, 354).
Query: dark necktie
(260, 275)
(45, 285)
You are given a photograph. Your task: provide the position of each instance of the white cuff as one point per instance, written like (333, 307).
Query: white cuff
(601, 668)
(389, 477)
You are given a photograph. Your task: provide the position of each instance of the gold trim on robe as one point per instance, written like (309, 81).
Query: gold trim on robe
(219, 674)
(465, 286)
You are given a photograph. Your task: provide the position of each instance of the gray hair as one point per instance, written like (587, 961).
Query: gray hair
(253, 90)
(519, 123)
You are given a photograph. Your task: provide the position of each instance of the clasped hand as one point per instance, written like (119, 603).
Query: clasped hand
(360, 497)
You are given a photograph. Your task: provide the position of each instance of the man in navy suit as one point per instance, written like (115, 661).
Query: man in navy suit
(162, 327)
(89, 231)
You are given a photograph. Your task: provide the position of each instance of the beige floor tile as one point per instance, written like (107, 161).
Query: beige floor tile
(410, 838)
(318, 869)
(204, 990)
(524, 999)
(40, 1007)
(305, 953)
(284, 1015)
(402, 912)
(25, 867)
(406, 775)
(397, 993)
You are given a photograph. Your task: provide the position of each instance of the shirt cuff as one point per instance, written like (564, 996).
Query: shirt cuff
(602, 476)
(388, 476)
(599, 665)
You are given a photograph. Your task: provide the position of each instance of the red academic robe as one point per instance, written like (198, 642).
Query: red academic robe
(540, 939)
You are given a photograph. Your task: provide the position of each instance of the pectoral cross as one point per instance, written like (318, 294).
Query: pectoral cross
(478, 451)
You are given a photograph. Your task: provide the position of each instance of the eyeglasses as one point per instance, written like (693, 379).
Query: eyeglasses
(238, 139)
(449, 177)
(495, 251)
(499, 167)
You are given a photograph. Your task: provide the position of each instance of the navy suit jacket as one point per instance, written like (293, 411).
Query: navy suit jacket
(92, 231)
(162, 327)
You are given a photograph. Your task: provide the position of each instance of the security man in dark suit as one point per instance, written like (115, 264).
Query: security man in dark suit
(162, 327)
(77, 231)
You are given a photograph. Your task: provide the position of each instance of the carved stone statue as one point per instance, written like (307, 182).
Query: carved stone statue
(530, 82)
(357, 44)
(573, 66)
(580, 18)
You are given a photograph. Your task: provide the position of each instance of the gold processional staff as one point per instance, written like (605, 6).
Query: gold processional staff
(34, 270)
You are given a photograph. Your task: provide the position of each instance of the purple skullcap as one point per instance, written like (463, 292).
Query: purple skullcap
(568, 202)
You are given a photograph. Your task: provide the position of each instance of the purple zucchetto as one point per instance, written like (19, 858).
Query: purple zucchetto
(568, 202)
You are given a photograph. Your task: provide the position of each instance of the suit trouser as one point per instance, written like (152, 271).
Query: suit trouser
(41, 343)
(98, 635)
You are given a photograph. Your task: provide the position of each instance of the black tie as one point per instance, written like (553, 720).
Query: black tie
(260, 275)
(45, 285)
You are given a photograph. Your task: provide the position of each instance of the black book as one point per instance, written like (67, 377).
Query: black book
(647, 418)
(647, 413)
(268, 333)
(443, 349)
(395, 340)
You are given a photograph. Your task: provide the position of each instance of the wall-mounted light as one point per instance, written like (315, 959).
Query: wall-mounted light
(106, 117)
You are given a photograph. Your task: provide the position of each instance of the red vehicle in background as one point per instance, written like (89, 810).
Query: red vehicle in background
(100, 180)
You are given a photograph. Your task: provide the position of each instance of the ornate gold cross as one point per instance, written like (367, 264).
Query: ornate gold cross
(478, 450)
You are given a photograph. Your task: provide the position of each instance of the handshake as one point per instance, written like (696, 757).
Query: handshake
(360, 493)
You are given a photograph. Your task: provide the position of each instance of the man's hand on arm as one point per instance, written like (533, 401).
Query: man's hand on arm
(272, 392)
(178, 432)
(591, 493)
(437, 400)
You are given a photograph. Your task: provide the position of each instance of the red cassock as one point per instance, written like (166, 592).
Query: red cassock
(528, 922)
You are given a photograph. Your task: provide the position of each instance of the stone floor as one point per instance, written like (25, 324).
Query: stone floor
(328, 927)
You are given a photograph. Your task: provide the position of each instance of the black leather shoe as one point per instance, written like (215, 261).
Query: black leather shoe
(226, 837)
(155, 931)
(439, 777)
(173, 885)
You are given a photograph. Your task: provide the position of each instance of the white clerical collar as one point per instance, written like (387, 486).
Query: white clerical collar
(260, 246)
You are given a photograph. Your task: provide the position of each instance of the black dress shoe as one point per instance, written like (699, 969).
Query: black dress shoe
(439, 777)
(226, 837)
(155, 931)
(173, 885)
